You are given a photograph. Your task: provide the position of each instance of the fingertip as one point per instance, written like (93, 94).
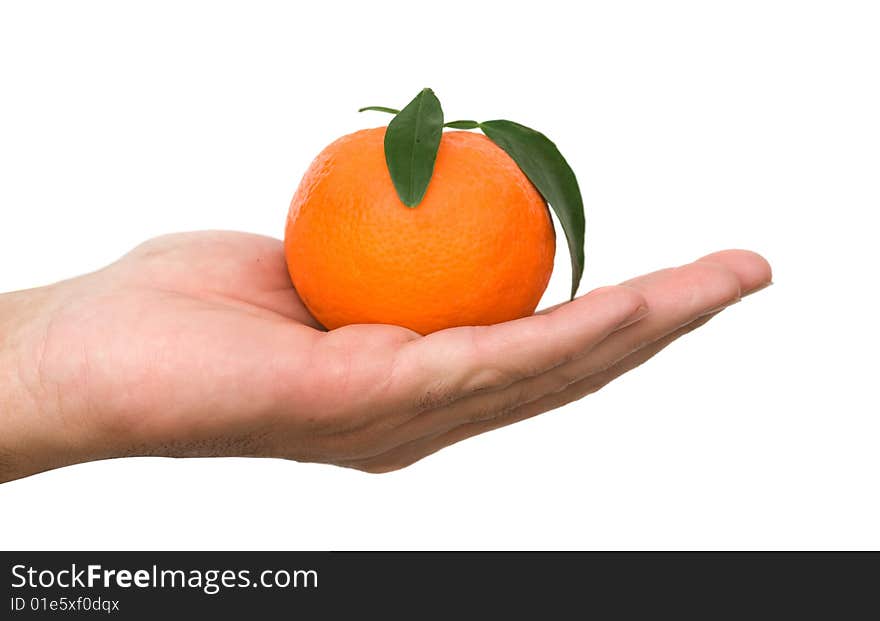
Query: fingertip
(753, 271)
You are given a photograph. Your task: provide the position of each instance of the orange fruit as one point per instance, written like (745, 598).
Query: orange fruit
(477, 250)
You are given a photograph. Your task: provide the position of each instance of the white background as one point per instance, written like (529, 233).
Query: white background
(693, 126)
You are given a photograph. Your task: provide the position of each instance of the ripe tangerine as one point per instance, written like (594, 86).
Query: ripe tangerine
(477, 250)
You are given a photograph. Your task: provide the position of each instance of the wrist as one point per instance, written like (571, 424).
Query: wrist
(34, 436)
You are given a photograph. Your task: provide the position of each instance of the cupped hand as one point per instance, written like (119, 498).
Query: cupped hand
(196, 344)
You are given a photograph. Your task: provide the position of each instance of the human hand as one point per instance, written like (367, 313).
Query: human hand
(196, 344)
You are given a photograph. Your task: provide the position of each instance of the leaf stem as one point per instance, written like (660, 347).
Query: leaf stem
(462, 124)
(380, 109)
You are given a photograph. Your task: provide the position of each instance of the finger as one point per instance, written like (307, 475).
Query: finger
(679, 295)
(676, 297)
(450, 364)
(413, 451)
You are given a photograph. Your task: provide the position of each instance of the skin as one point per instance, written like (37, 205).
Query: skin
(196, 344)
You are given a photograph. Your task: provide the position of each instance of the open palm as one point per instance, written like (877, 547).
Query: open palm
(196, 344)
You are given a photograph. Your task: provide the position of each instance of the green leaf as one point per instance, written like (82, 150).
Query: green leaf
(411, 143)
(545, 167)
(379, 109)
(462, 124)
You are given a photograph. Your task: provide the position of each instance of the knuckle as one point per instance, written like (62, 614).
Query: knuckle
(485, 379)
(157, 246)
